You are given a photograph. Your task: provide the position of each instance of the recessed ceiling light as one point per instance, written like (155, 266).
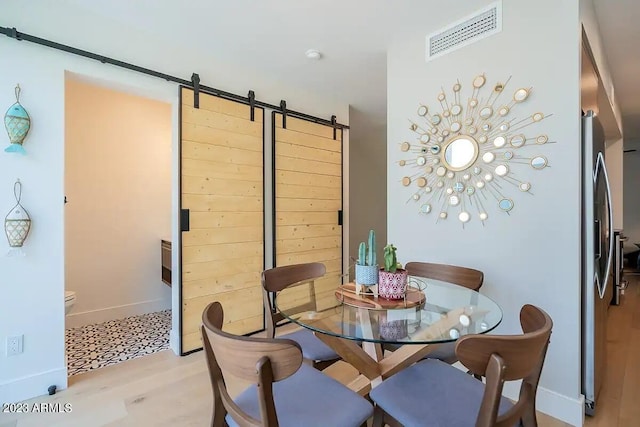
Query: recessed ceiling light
(313, 54)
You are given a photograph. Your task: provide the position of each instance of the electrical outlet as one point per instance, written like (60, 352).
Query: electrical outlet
(14, 345)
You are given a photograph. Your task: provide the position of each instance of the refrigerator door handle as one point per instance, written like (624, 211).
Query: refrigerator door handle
(597, 236)
(600, 164)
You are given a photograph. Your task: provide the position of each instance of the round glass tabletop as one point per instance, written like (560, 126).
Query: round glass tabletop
(445, 313)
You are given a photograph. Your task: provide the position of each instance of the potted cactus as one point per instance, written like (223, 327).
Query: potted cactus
(392, 282)
(367, 265)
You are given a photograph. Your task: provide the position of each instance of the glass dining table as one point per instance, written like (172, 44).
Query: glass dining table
(358, 325)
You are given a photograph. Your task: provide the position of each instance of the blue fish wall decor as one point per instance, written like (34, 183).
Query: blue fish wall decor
(17, 123)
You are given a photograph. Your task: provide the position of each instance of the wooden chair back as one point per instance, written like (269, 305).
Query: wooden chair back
(276, 279)
(506, 358)
(463, 276)
(262, 361)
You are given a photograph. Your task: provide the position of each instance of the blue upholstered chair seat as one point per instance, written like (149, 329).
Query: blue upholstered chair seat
(312, 347)
(309, 398)
(432, 393)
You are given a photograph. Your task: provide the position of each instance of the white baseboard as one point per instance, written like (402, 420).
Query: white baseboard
(33, 385)
(75, 320)
(174, 342)
(557, 405)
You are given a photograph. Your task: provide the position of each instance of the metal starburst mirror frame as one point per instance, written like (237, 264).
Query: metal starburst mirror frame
(465, 157)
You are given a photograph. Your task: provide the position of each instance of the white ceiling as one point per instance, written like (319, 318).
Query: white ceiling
(619, 22)
(270, 37)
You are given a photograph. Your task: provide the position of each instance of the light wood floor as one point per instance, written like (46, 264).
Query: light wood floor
(166, 390)
(619, 401)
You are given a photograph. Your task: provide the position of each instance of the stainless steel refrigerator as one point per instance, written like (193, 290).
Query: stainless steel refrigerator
(597, 246)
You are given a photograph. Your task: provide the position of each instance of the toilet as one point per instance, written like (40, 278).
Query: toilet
(69, 300)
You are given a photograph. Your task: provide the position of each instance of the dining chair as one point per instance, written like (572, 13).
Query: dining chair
(463, 276)
(276, 279)
(284, 391)
(432, 392)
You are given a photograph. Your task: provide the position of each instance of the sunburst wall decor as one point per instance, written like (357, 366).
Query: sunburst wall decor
(465, 157)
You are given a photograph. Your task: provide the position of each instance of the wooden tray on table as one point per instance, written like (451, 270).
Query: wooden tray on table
(347, 294)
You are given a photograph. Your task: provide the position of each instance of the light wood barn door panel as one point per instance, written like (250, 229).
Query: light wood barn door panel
(308, 197)
(222, 186)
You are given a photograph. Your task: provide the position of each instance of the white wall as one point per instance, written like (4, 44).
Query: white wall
(614, 159)
(591, 28)
(118, 187)
(533, 254)
(32, 302)
(367, 164)
(632, 197)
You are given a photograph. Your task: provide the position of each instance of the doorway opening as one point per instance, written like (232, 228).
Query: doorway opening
(118, 191)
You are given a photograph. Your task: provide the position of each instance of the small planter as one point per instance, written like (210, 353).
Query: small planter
(392, 285)
(367, 277)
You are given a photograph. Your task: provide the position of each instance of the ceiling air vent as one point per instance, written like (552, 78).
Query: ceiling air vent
(484, 23)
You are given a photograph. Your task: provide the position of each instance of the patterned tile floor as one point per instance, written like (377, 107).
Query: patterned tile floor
(95, 346)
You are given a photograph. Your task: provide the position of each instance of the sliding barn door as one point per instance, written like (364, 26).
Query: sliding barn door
(308, 199)
(222, 187)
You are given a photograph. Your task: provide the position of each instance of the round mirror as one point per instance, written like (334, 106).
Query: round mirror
(537, 117)
(406, 181)
(454, 200)
(518, 141)
(450, 174)
(505, 204)
(488, 177)
(405, 146)
(425, 138)
(455, 126)
(460, 153)
(520, 95)
(441, 96)
(500, 141)
(402, 162)
(422, 181)
(456, 109)
(488, 157)
(473, 102)
(435, 149)
(416, 196)
(480, 184)
(482, 139)
(508, 155)
(483, 216)
(436, 119)
(478, 82)
(423, 110)
(427, 189)
(542, 139)
(501, 170)
(539, 162)
(464, 217)
(486, 112)
(457, 87)
(426, 208)
(504, 127)
(469, 121)
(443, 215)
(524, 186)
(421, 161)
(441, 171)
(503, 111)
(470, 191)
